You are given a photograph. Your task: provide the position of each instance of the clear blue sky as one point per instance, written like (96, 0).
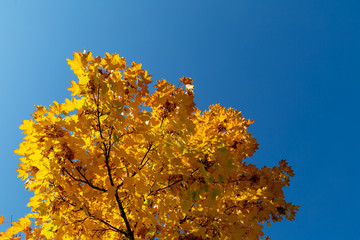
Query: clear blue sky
(292, 66)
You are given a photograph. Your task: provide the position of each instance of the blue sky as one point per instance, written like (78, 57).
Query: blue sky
(292, 66)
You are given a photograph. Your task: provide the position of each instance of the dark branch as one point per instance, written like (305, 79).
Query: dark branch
(169, 185)
(84, 181)
(129, 233)
(142, 161)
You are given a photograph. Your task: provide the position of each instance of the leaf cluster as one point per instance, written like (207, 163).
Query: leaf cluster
(116, 162)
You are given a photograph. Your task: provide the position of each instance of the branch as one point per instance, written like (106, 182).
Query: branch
(106, 151)
(86, 210)
(123, 215)
(141, 164)
(140, 167)
(89, 182)
(170, 185)
(112, 227)
(103, 221)
(83, 181)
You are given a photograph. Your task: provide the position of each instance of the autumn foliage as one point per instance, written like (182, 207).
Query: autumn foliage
(118, 162)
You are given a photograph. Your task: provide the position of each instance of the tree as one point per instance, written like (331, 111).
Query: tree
(116, 162)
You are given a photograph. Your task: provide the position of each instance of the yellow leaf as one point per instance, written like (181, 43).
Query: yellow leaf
(77, 65)
(74, 88)
(27, 126)
(83, 79)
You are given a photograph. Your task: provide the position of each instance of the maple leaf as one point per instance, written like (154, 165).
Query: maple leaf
(142, 232)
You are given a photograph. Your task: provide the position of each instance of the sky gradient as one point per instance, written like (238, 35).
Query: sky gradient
(292, 66)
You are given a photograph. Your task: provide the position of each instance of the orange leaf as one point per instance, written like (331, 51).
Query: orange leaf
(249, 122)
(142, 232)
